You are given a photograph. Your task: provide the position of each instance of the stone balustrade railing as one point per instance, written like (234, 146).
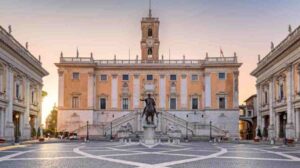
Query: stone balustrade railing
(291, 38)
(90, 60)
(9, 40)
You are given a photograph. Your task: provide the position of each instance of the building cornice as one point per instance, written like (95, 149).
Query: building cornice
(8, 40)
(280, 50)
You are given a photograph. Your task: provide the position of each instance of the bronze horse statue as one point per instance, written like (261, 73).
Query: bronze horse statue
(149, 110)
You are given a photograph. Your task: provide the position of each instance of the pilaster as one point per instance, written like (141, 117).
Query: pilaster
(60, 88)
(290, 129)
(183, 92)
(236, 89)
(9, 127)
(271, 128)
(162, 91)
(207, 91)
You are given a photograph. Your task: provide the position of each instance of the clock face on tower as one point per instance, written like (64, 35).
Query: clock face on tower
(150, 42)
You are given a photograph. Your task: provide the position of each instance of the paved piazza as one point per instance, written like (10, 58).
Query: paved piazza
(114, 155)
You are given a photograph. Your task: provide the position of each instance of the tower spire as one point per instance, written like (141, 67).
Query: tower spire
(150, 11)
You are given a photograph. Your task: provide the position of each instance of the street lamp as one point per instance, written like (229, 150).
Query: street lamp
(113, 116)
(210, 137)
(87, 130)
(186, 132)
(17, 128)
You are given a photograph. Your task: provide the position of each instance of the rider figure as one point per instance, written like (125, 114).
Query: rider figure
(149, 103)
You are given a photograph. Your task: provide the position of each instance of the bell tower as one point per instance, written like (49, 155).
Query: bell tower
(150, 37)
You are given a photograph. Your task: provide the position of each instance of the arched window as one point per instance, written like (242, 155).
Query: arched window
(149, 32)
(149, 51)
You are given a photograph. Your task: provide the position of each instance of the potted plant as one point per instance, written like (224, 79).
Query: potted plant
(33, 133)
(41, 139)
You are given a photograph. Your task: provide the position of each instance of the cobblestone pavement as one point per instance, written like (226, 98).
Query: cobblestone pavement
(116, 155)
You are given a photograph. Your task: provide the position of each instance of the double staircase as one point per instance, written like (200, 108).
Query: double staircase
(190, 129)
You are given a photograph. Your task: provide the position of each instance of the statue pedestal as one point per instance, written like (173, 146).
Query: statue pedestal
(149, 134)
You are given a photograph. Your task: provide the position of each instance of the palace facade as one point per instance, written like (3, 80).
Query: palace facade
(278, 89)
(188, 93)
(20, 89)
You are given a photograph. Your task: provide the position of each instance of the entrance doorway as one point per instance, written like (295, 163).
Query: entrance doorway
(282, 123)
(16, 121)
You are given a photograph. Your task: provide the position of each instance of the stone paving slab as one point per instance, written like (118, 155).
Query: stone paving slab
(254, 155)
(151, 158)
(237, 163)
(62, 163)
(46, 154)
(194, 152)
(6, 153)
(97, 153)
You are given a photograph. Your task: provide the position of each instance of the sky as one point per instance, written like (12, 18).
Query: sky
(187, 27)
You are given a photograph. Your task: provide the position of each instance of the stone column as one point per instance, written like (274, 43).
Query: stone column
(259, 117)
(277, 125)
(183, 92)
(271, 109)
(39, 98)
(114, 91)
(162, 92)
(297, 123)
(1, 122)
(26, 131)
(91, 91)
(61, 88)
(9, 126)
(290, 129)
(136, 93)
(236, 89)
(207, 90)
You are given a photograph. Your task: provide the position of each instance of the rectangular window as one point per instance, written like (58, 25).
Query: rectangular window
(281, 92)
(194, 77)
(103, 77)
(75, 102)
(125, 104)
(173, 103)
(149, 77)
(125, 77)
(249, 113)
(195, 103)
(76, 75)
(266, 97)
(102, 103)
(222, 75)
(222, 102)
(32, 97)
(173, 77)
(17, 91)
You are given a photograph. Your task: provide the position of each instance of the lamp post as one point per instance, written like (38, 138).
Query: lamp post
(210, 137)
(113, 116)
(17, 128)
(87, 130)
(186, 131)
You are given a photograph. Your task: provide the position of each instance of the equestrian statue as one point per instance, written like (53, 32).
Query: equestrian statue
(149, 109)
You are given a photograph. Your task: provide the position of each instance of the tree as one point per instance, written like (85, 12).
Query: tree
(51, 121)
(33, 132)
(39, 132)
